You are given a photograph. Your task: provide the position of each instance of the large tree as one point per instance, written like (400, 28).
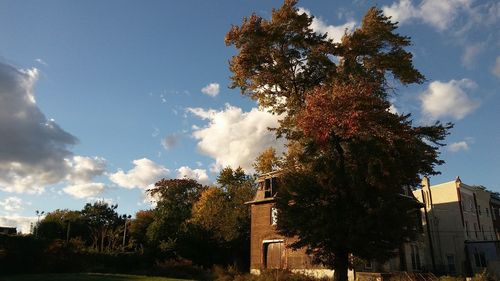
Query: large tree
(349, 157)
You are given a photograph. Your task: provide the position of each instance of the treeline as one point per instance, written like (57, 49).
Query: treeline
(191, 224)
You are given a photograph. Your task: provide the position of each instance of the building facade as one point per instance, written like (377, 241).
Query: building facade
(459, 233)
(495, 213)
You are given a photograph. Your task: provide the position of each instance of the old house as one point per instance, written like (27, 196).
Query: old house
(268, 249)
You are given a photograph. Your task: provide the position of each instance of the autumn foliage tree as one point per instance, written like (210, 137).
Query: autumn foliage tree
(349, 157)
(221, 212)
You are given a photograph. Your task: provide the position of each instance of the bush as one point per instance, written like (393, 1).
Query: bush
(230, 274)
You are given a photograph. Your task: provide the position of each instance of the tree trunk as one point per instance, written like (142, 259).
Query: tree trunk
(341, 266)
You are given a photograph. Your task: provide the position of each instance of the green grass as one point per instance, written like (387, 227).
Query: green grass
(84, 277)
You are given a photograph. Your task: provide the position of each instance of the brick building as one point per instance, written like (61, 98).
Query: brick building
(268, 249)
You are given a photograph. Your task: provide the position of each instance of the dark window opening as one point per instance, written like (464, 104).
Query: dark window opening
(270, 187)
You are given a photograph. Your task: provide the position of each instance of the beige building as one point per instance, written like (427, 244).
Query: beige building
(458, 227)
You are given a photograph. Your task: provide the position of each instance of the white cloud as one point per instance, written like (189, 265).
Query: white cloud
(496, 68)
(144, 173)
(21, 223)
(333, 32)
(401, 11)
(199, 175)
(448, 99)
(211, 89)
(32, 147)
(84, 190)
(439, 14)
(11, 204)
(84, 169)
(457, 146)
(235, 138)
(393, 109)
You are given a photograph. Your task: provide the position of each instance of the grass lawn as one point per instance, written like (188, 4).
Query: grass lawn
(84, 277)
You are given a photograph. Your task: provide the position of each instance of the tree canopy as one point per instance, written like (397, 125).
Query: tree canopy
(349, 157)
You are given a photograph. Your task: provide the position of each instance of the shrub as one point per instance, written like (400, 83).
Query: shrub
(230, 274)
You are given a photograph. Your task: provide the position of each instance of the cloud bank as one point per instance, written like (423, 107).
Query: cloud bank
(32, 147)
(439, 14)
(144, 173)
(34, 150)
(235, 138)
(11, 204)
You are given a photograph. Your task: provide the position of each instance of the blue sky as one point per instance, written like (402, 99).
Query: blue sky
(99, 99)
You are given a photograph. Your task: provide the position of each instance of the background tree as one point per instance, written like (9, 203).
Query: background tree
(55, 225)
(267, 161)
(175, 199)
(104, 224)
(138, 228)
(350, 157)
(220, 211)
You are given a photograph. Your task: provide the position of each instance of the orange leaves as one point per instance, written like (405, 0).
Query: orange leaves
(344, 110)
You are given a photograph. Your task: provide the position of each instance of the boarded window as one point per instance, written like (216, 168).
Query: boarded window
(274, 216)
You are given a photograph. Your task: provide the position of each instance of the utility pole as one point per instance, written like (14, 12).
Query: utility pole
(67, 231)
(125, 230)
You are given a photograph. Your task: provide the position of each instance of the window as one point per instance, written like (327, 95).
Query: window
(274, 216)
(270, 187)
(267, 188)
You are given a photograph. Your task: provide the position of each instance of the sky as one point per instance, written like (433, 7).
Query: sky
(100, 99)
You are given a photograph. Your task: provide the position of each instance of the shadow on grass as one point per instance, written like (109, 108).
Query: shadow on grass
(84, 277)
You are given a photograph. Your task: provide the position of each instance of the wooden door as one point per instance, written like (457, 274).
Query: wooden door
(274, 255)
